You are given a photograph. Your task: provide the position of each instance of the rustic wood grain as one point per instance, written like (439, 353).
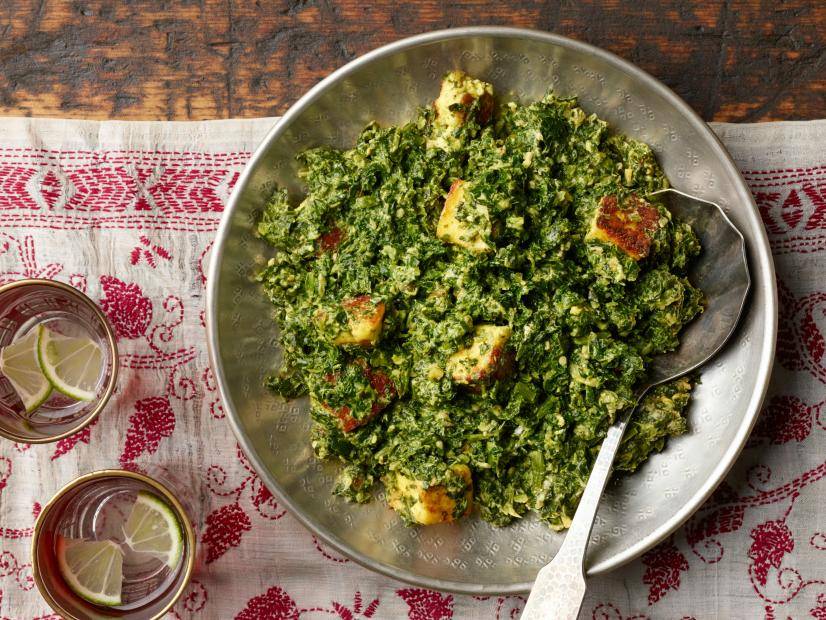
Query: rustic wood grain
(737, 60)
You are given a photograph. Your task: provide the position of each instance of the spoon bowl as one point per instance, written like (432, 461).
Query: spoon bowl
(721, 272)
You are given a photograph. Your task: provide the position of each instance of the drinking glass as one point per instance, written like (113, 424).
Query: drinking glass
(24, 305)
(95, 507)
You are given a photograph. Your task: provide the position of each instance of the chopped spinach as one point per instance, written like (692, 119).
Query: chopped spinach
(470, 299)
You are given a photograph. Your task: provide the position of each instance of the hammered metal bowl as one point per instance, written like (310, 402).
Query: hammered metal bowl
(387, 85)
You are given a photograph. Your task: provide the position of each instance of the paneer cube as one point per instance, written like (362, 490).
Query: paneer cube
(483, 357)
(385, 393)
(330, 240)
(458, 230)
(458, 93)
(630, 226)
(433, 503)
(364, 321)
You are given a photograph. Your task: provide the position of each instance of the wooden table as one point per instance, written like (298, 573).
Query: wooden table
(738, 60)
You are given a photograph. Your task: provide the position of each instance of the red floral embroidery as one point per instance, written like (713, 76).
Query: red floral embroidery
(790, 210)
(784, 419)
(818, 612)
(195, 598)
(11, 567)
(262, 500)
(152, 421)
(801, 345)
(261, 496)
(772, 541)
(224, 529)
(68, 444)
(146, 250)
(357, 610)
(78, 280)
(793, 207)
(24, 254)
(5, 471)
(812, 337)
(426, 604)
(813, 192)
(226, 525)
(126, 306)
(721, 521)
(664, 565)
(13, 533)
(274, 604)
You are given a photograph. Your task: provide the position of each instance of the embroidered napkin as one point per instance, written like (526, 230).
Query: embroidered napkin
(127, 212)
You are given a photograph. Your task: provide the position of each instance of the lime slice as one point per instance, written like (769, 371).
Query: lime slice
(72, 365)
(92, 569)
(18, 362)
(153, 528)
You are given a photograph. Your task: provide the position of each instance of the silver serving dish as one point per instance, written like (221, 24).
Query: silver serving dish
(387, 85)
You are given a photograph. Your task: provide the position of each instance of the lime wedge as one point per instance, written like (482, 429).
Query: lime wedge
(92, 569)
(153, 528)
(72, 365)
(18, 362)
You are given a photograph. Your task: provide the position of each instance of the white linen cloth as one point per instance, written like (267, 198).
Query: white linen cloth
(127, 212)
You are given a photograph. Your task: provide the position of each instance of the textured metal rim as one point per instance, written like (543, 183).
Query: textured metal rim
(764, 265)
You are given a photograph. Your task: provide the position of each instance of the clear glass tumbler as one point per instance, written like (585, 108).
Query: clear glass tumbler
(24, 306)
(94, 508)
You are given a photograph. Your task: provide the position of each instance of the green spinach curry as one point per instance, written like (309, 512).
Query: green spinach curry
(469, 299)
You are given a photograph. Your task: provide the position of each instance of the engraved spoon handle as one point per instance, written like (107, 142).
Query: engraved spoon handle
(559, 588)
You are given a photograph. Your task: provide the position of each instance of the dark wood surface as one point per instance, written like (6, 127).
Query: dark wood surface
(736, 60)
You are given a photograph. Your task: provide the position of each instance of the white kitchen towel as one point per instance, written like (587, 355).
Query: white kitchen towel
(127, 212)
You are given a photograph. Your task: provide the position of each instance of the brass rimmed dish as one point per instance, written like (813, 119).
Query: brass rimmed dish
(387, 85)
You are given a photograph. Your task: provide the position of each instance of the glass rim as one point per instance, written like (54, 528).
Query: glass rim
(162, 489)
(110, 339)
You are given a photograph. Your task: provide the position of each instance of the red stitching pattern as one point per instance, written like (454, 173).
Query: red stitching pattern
(332, 558)
(181, 191)
(777, 170)
(791, 175)
(36, 152)
(760, 183)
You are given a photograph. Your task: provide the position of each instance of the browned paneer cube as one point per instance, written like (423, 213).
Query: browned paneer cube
(456, 230)
(364, 321)
(483, 357)
(629, 226)
(330, 240)
(428, 504)
(385, 393)
(458, 93)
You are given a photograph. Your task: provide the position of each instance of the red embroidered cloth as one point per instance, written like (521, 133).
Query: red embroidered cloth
(127, 212)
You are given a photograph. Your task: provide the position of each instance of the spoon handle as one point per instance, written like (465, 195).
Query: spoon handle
(559, 588)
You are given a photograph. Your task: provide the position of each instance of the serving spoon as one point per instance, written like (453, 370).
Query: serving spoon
(721, 272)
